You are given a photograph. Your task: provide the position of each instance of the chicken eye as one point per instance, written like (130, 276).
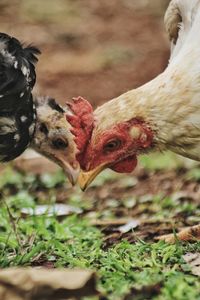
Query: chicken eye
(59, 143)
(112, 145)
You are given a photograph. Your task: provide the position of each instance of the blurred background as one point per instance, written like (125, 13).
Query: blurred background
(94, 48)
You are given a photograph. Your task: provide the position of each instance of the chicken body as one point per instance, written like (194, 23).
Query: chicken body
(40, 122)
(162, 114)
(17, 111)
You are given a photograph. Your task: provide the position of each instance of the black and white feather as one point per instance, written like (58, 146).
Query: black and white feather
(17, 110)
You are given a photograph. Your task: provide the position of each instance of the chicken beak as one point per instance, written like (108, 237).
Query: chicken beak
(72, 172)
(85, 178)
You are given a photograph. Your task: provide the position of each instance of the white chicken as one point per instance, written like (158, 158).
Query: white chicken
(162, 114)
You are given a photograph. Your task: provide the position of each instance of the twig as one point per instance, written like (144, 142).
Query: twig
(13, 223)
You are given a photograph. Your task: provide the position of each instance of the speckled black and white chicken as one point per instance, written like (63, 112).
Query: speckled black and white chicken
(25, 121)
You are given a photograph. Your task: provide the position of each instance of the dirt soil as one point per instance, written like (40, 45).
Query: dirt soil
(96, 49)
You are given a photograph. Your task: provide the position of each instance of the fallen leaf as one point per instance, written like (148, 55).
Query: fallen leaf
(186, 234)
(113, 222)
(129, 226)
(50, 210)
(193, 260)
(44, 284)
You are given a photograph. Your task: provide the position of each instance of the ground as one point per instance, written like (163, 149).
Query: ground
(113, 231)
(99, 49)
(96, 49)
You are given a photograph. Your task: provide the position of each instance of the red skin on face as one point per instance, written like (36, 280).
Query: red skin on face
(92, 154)
(125, 166)
(123, 159)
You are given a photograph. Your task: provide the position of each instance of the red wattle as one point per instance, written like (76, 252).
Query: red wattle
(125, 166)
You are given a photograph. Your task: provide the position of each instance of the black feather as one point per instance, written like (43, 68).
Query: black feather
(17, 79)
(54, 105)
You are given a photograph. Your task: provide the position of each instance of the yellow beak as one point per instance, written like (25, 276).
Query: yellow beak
(85, 178)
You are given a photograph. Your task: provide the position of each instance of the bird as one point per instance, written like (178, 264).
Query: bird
(52, 137)
(26, 121)
(163, 114)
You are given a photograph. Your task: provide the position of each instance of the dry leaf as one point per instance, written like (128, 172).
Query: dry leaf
(50, 210)
(186, 234)
(113, 222)
(45, 284)
(193, 260)
(129, 226)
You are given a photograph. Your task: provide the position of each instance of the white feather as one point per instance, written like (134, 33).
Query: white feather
(7, 125)
(171, 102)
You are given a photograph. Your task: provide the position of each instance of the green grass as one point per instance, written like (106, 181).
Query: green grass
(73, 242)
(159, 161)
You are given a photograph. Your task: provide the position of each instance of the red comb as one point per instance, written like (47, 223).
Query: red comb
(82, 122)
